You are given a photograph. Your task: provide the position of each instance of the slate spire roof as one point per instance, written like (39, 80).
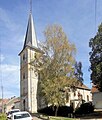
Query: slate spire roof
(30, 38)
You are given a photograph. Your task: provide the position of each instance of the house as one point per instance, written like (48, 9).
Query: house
(77, 95)
(96, 97)
(2, 104)
(10, 104)
(17, 104)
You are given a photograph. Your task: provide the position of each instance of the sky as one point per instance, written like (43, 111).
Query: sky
(77, 18)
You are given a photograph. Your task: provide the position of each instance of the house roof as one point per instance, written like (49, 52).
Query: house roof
(17, 101)
(12, 100)
(82, 86)
(4, 101)
(94, 89)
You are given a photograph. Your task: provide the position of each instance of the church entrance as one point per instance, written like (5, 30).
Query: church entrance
(24, 104)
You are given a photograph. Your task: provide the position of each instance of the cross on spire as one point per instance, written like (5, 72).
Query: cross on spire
(30, 6)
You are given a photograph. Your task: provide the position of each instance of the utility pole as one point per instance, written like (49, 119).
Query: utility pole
(2, 99)
(1, 79)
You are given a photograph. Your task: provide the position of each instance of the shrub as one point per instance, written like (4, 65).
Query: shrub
(85, 108)
(62, 111)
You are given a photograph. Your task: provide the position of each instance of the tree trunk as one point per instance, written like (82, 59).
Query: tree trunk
(56, 110)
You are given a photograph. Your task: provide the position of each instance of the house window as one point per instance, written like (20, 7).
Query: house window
(74, 94)
(39, 76)
(81, 97)
(67, 97)
(87, 98)
(35, 55)
(78, 94)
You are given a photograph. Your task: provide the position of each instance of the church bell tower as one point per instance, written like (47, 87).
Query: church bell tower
(28, 78)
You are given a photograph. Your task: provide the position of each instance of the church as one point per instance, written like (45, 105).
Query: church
(29, 99)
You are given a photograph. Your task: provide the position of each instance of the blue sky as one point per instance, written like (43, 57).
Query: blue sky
(77, 18)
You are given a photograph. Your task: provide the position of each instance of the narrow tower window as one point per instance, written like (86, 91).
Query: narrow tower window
(23, 57)
(23, 75)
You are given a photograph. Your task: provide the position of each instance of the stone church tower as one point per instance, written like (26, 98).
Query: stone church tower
(28, 78)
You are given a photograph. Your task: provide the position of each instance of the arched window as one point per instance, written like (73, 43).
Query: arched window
(81, 97)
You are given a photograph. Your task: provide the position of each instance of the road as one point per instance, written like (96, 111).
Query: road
(36, 118)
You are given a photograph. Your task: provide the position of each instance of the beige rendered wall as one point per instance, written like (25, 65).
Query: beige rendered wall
(97, 100)
(74, 96)
(28, 85)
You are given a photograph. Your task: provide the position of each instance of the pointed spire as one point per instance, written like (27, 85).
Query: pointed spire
(30, 38)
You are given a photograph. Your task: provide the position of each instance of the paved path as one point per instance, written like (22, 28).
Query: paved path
(92, 119)
(36, 118)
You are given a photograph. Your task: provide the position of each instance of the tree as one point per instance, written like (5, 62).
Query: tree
(78, 72)
(96, 58)
(55, 65)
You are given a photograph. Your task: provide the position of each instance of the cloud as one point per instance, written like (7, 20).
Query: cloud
(9, 68)
(9, 73)
(10, 79)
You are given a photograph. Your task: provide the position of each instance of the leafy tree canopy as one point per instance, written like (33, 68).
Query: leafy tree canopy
(96, 58)
(56, 65)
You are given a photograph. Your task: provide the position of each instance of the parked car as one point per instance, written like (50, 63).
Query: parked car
(12, 111)
(21, 116)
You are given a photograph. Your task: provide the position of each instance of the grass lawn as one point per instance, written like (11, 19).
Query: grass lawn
(2, 116)
(62, 118)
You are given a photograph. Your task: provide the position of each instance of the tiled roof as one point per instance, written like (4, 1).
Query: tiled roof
(12, 100)
(17, 101)
(4, 101)
(82, 86)
(94, 89)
